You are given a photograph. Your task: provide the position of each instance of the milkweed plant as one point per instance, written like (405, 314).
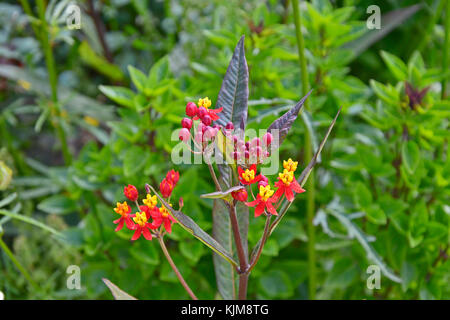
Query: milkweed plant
(244, 185)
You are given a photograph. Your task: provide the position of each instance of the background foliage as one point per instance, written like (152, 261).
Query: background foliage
(122, 82)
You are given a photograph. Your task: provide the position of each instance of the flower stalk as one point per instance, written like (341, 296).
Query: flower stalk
(310, 202)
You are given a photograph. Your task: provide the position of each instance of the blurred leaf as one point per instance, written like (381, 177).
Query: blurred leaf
(138, 77)
(396, 66)
(120, 95)
(30, 221)
(117, 292)
(99, 63)
(57, 204)
(410, 156)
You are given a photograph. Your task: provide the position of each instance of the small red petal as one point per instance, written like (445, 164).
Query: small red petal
(147, 234)
(259, 209)
(289, 194)
(168, 225)
(137, 233)
(120, 225)
(271, 209)
(296, 187)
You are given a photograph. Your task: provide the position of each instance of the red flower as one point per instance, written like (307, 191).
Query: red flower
(263, 201)
(206, 103)
(142, 226)
(286, 185)
(131, 192)
(166, 187)
(123, 209)
(173, 176)
(163, 216)
(240, 195)
(248, 176)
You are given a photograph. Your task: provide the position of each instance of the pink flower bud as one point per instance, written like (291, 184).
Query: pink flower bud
(255, 142)
(267, 138)
(202, 112)
(207, 120)
(229, 126)
(184, 134)
(191, 109)
(198, 137)
(186, 123)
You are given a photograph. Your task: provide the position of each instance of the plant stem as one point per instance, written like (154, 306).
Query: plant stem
(52, 76)
(261, 246)
(446, 50)
(308, 156)
(243, 263)
(100, 27)
(213, 175)
(175, 269)
(18, 265)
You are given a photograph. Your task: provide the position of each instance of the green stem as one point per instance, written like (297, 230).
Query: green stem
(429, 28)
(446, 49)
(308, 156)
(52, 76)
(175, 269)
(18, 265)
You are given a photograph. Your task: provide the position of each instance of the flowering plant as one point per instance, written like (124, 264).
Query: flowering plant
(240, 164)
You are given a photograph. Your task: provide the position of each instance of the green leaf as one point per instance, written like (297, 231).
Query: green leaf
(57, 204)
(376, 215)
(362, 195)
(276, 284)
(120, 95)
(226, 195)
(159, 72)
(138, 77)
(192, 250)
(30, 221)
(355, 232)
(8, 199)
(233, 94)
(99, 63)
(395, 65)
(410, 156)
(189, 225)
(134, 161)
(117, 293)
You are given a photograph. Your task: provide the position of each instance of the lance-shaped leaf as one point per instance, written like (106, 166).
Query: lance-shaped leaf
(189, 225)
(355, 232)
(284, 123)
(233, 94)
(117, 293)
(226, 195)
(284, 206)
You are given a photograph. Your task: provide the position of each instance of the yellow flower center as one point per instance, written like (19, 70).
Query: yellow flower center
(287, 177)
(122, 208)
(290, 165)
(140, 218)
(205, 102)
(265, 192)
(150, 201)
(164, 211)
(248, 175)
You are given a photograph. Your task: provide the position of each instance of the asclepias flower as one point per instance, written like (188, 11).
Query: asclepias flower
(240, 195)
(150, 201)
(163, 216)
(248, 176)
(263, 201)
(166, 187)
(290, 165)
(142, 226)
(173, 176)
(131, 192)
(124, 210)
(206, 103)
(286, 185)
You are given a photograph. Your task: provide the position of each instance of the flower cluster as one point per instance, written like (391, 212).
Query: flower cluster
(205, 130)
(249, 152)
(140, 221)
(264, 201)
